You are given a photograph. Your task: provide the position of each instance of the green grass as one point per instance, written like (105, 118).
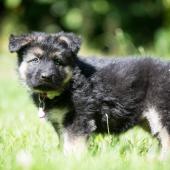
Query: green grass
(27, 143)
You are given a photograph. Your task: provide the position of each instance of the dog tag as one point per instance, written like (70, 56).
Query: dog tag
(41, 113)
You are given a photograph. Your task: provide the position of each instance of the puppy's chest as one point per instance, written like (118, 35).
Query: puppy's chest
(57, 115)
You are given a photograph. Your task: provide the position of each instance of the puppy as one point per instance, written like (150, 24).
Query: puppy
(110, 97)
(46, 65)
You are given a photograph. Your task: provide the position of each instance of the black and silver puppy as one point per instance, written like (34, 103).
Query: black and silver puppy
(47, 65)
(113, 96)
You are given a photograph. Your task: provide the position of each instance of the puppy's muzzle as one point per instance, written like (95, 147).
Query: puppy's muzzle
(46, 77)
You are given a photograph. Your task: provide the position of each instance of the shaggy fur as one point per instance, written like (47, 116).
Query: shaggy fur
(123, 91)
(98, 94)
(122, 95)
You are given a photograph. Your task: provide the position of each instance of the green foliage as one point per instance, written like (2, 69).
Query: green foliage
(12, 3)
(98, 21)
(162, 42)
(73, 19)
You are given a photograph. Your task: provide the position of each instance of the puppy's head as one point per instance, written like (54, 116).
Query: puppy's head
(45, 60)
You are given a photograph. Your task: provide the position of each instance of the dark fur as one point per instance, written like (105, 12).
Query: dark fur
(121, 89)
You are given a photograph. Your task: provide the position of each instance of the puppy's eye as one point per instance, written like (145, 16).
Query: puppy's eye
(57, 61)
(34, 60)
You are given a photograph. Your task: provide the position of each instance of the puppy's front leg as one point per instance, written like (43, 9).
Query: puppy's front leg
(74, 143)
(165, 142)
(75, 134)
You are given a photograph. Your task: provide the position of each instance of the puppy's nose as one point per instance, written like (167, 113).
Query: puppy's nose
(46, 76)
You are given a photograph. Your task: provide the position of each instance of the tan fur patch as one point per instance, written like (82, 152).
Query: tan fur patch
(22, 70)
(69, 73)
(57, 115)
(56, 54)
(64, 39)
(153, 117)
(36, 51)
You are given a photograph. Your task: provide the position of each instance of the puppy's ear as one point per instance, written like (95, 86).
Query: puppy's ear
(70, 40)
(18, 42)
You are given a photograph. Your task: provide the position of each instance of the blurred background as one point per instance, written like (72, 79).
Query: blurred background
(111, 27)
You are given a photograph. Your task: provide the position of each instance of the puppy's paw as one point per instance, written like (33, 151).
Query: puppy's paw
(74, 145)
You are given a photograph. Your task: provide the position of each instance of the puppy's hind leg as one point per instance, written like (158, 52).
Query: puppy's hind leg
(154, 118)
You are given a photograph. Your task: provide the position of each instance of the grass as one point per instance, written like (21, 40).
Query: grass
(26, 143)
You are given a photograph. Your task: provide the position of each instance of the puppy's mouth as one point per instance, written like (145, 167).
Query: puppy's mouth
(45, 87)
(48, 90)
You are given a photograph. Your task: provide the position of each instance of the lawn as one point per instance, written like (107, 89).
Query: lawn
(27, 143)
